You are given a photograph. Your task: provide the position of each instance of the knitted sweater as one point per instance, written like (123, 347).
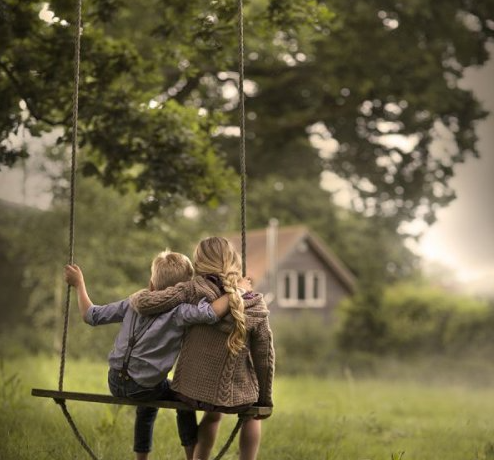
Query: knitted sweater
(206, 370)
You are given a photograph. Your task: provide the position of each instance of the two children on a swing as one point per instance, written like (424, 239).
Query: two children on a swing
(226, 363)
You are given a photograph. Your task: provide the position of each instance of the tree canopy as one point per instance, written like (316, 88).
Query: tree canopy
(361, 89)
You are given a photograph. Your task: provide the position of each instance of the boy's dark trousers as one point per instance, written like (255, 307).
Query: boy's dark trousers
(123, 386)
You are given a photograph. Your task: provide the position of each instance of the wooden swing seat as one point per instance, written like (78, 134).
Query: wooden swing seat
(59, 396)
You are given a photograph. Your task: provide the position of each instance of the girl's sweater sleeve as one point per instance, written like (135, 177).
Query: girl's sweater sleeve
(262, 353)
(147, 302)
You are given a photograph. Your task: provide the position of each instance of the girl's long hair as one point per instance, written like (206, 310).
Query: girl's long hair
(217, 256)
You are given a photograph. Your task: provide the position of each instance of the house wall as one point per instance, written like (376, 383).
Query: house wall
(304, 258)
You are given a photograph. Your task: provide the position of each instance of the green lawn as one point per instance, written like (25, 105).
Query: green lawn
(320, 419)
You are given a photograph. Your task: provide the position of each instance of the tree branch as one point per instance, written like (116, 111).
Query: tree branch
(29, 103)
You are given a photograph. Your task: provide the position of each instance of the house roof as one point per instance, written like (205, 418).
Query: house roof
(287, 238)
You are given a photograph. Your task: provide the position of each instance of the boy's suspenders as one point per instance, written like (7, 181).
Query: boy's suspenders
(134, 337)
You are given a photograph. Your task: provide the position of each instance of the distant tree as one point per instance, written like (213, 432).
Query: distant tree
(114, 253)
(14, 291)
(32, 258)
(157, 95)
(372, 249)
(381, 72)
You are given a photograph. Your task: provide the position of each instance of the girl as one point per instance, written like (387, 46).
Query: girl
(226, 367)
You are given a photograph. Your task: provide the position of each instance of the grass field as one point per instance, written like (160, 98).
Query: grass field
(314, 419)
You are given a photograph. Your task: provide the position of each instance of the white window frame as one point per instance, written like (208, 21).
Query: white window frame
(293, 301)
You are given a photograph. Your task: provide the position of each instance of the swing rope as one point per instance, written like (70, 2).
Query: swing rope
(230, 439)
(243, 168)
(73, 167)
(75, 430)
(243, 185)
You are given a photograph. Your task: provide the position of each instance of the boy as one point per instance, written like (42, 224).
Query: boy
(146, 347)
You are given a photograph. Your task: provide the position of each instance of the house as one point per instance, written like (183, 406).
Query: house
(295, 270)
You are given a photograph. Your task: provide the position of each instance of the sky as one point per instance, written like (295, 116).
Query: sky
(463, 236)
(23, 183)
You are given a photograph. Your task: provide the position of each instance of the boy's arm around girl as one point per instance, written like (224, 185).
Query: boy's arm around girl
(260, 339)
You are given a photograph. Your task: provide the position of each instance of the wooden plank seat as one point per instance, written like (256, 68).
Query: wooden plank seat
(108, 399)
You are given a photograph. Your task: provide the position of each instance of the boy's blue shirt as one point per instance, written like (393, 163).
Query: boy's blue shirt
(155, 353)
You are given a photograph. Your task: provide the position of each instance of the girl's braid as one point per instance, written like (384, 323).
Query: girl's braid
(236, 339)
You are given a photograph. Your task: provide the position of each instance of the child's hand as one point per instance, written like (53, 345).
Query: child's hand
(246, 284)
(262, 417)
(73, 275)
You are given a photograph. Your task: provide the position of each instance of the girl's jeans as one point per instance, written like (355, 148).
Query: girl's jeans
(145, 416)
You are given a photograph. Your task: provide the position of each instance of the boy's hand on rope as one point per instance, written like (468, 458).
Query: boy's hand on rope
(73, 275)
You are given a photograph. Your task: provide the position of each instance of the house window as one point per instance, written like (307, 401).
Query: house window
(316, 294)
(286, 281)
(301, 288)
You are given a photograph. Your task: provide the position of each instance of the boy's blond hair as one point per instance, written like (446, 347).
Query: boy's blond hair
(169, 268)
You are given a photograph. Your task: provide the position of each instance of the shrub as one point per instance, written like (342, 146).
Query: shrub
(303, 345)
(419, 319)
